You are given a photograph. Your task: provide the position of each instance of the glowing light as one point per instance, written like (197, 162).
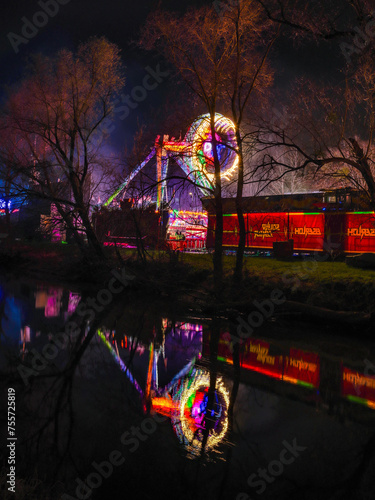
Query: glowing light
(74, 299)
(165, 406)
(4, 204)
(120, 362)
(293, 380)
(189, 421)
(200, 138)
(360, 213)
(187, 230)
(53, 305)
(362, 401)
(194, 155)
(149, 372)
(129, 178)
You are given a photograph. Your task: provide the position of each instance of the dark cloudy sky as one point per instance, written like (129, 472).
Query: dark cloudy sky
(120, 21)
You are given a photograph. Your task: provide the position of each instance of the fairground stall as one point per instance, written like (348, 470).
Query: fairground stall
(187, 230)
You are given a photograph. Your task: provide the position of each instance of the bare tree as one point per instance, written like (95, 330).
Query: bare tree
(56, 111)
(194, 45)
(319, 19)
(280, 180)
(332, 132)
(222, 60)
(249, 39)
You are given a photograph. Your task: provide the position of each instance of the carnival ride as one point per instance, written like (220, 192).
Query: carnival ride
(184, 399)
(194, 155)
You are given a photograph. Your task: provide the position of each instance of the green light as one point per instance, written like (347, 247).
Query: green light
(111, 198)
(360, 213)
(225, 360)
(305, 384)
(189, 403)
(356, 399)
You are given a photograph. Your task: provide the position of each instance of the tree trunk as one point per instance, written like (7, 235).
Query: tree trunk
(71, 226)
(218, 251)
(93, 241)
(237, 277)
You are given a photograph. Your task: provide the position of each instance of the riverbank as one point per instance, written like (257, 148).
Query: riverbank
(322, 283)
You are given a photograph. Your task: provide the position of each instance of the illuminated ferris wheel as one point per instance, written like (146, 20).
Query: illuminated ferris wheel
(194, 155)
(201, 158)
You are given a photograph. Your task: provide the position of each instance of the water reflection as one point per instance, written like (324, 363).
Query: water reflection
(192, 417)
(185, 398)
(287, 389)
(307, 369)
(29, 313)
(32, 313)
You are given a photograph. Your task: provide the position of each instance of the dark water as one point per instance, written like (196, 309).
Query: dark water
(115, 405)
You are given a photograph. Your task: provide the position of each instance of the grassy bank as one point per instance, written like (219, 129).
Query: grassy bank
(330, 284)
(324, 283)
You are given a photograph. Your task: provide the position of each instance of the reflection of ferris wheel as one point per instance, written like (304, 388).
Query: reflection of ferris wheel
(191, 416)
(184, 400)
(194, 155)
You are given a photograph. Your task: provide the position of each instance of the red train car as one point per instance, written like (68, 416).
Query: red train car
(318, 225)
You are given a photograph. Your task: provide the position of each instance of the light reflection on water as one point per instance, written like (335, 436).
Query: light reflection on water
(287, 390)
(29, 311)
(32, 314)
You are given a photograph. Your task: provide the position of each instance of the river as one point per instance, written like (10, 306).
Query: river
(115, 404)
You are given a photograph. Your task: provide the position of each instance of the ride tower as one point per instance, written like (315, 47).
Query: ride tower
(194, 155)
(184, 229)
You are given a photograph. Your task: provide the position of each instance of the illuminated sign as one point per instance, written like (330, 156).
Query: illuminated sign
(267, 230)
(261, 351)
(361, 231)
(302, 367)
(358, 380)
(307, 231)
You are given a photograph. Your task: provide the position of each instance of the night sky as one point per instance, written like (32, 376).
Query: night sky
(120, 22)
(75, 22)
